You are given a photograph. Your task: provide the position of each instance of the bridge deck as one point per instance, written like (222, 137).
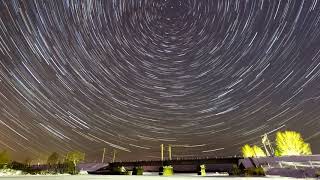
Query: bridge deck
(229, 160)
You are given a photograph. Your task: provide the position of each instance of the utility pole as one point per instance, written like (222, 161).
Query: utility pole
(104, 151)
(114, 155)
(170, 151)
(266, 143)
(161, 152)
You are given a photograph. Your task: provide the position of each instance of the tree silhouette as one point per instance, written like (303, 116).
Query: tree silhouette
(75, 157)
(53, 158)
(258, 152)
(28, 161)
(4, 157)
(255, 151)
(247, 151)
(291, 143)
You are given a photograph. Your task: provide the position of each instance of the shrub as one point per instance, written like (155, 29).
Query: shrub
(70, 168)
(120, 170)
(3, 166)
(137, 171)
(236, 171)
(255, 172)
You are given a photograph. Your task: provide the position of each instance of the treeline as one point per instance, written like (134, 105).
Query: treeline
(287, 143)
(55, 163)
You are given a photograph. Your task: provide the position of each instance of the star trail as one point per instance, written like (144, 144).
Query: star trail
(206, 76)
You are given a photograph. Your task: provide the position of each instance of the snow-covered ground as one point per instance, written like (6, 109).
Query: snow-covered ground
(150, 177)
(9, 172)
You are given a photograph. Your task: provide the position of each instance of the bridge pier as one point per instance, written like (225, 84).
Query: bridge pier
(166, 170)
(202, 171)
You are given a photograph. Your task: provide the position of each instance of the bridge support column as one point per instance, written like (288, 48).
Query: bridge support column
(202, 171)
(166, 170)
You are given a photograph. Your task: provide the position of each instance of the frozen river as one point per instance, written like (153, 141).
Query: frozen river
(175, 177)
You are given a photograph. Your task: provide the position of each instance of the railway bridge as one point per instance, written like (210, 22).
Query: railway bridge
(219, 164)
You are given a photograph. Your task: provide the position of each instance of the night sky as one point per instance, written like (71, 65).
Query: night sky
(206, 75)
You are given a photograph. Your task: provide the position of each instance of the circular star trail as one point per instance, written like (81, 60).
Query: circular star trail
(206, 76)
